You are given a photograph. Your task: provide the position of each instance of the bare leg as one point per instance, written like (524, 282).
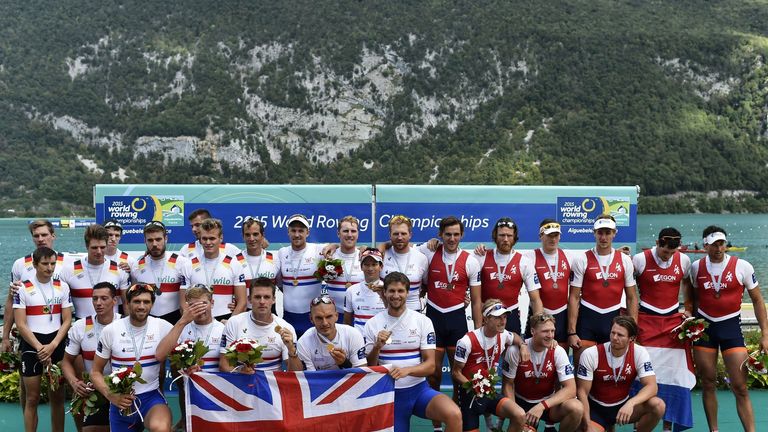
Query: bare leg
(733, 359)
(441, 409)
(32, 385)
(706, 361)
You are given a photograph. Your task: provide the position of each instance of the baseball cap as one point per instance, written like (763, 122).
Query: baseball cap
(371, 253)
(552, 227)
(113, 223)
(604, 223)
(496, 309)
(715, 236)
(298, 218)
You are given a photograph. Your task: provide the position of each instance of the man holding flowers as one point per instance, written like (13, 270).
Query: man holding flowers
(271, 338)
(130, 344)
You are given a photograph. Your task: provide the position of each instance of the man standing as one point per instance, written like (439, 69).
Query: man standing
(405, 339)
(166, 271)
(543, 387)
(83, 338)
(605, 375)
(127, 341)
(329, 345)
(221, 272)
(256, 261)
(113, 253)
(479, 351)
(43, 314)
(195, 324)
(195, 248)
(502, 275)
(297, 264)
(404, 259)
(82, 275)
(554, 272)
(277, 335)
(363, 300)
(350, 261)
(719, 281)
(660, 272)
(600, 276)
(452, 273)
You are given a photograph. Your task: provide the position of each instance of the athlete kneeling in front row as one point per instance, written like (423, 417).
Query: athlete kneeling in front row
(543, 386)
(605, 376)
(479, 351)
(405, 339)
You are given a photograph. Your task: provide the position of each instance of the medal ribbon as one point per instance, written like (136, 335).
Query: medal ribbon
(715, 279)
(450, 269)
(603, 269)
(500, 270)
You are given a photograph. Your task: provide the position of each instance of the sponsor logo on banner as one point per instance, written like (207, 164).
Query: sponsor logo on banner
(138, 210)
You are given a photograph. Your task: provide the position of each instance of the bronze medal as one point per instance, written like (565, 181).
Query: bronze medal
(605, 283)
(295, 282)
(717, 294)
(501, 285)
(450, 286)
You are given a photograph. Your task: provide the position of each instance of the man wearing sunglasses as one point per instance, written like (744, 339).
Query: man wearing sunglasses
(404, 259)
(275, 333)
(542, 384)
(479, 351)
(719, 281)
(364, 300)
(83, 274)
(329, 345)
(222, 272)
(503, 273)
(405, 339)
(167, 271)
(553, 269)
(661, 272)
(600, 276)
(297, 264)
(134, 338)
(195, 248)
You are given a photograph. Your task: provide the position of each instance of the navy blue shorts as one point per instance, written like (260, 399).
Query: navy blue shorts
(473, 408)
(133, 423)
(513, 321)
(723, 335)
(449, 326)
(594, 326)
(100, 417)
(526, 406)
(171, 317)
(603, 415)
(410, 401)
(299, 321)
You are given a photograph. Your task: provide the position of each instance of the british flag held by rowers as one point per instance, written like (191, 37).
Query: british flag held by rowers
(360, 399)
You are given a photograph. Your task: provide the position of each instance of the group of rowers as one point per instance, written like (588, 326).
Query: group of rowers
(399, 305)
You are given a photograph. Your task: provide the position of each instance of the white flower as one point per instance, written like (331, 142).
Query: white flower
(131, 375)
(115, 380)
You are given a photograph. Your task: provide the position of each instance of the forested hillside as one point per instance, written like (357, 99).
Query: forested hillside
(672, 96)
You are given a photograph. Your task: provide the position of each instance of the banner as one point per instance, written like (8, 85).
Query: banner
(360, 399)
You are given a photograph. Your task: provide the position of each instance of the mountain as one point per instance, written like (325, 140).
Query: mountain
(672, 96)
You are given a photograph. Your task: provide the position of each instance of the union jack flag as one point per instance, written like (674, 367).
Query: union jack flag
(360, 399)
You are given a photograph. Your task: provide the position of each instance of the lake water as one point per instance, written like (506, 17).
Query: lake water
(750, 231)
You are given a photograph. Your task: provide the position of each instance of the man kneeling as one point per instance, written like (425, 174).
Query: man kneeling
(543, 386)
(605, 375)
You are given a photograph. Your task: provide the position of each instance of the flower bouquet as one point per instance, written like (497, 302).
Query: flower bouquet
(483, 384)
(757, 363)
(53, 375)
(328, 270)
(187, 354)
(9, 362)
(89, 405)
(121, 380)
(244, 352)
(691, 330)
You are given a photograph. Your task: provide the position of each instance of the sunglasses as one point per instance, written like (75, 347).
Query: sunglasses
(542, 317)
(505, 223)
(549, 226)
(494, 308)
(202, 286)
(140, 287)
(324, 299)
(154, 223)
(113, 224)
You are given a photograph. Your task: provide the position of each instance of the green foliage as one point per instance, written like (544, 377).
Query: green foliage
(9, 387)
(562, 92)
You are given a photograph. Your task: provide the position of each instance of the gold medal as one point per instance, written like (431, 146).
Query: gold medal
(347, 285)
(278, 328)
(330, 347)
(295, 282)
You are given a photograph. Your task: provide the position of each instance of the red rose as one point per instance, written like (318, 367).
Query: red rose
(243, 347)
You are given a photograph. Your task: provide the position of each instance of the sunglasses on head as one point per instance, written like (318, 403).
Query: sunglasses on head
(494, 308)
(505, 223)
(113, 224)
(324, 299)
(548, 226)
(140, 287)
(202, 286)
(154, 223)
(542, 317)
